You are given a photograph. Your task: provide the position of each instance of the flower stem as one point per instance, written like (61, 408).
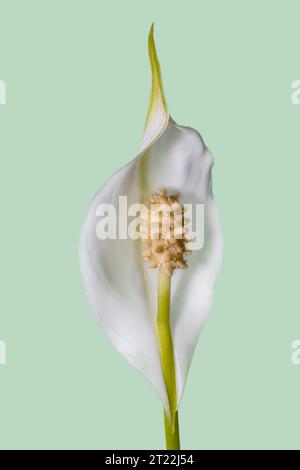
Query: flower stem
(172, 432)
(167, 359)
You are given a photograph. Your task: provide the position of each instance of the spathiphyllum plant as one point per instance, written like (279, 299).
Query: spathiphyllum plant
(151, 290)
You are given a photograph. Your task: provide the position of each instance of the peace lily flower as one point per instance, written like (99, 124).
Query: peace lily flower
(154, 325)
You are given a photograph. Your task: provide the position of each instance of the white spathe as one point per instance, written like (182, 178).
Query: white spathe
(121, 289)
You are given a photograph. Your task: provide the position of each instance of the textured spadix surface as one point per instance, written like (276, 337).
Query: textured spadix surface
(121, 289)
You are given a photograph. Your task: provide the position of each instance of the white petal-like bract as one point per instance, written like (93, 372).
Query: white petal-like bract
(121, 289)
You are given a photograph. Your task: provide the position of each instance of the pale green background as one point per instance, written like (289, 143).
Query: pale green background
(78, 82)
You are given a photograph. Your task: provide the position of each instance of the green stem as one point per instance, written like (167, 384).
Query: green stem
(172, 432)
(167, 359)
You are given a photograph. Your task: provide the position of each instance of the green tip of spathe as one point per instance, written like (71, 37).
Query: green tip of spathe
(157, 95)
(151, 42)
(151, 29)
